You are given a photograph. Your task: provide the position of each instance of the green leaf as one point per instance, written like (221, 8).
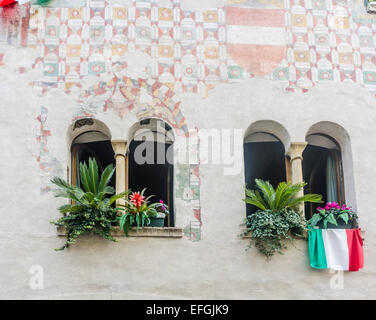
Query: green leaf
(314, 220)
(67, 208)
(316, 198)
(331, 219)
(122, 220)
(93, 175)
(118, 196)
(344, 216)
(253, 197)
(106, 177)
(281, 188)
(267, 191)
(84, 175)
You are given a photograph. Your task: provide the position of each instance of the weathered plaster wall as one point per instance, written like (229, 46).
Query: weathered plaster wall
(46, 87)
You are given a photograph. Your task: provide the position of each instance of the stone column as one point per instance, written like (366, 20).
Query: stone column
(296, 157)
(288, 169)
(120, 148)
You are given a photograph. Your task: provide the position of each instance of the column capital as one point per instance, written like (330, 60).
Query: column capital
(119, 146)
(296, 150)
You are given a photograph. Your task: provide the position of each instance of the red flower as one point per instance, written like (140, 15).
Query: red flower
(137, 199)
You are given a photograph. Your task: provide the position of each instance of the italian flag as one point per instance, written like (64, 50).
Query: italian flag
(338, 249)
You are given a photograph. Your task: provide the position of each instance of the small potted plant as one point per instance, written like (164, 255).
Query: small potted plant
(137, 211)
(334, 216)
(162, 212)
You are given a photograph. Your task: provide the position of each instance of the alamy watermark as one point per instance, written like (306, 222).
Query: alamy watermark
(36, 281)
(337, 280)
(222, 147)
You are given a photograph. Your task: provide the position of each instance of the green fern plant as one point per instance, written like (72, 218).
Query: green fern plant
(90, 210)
(283, 197)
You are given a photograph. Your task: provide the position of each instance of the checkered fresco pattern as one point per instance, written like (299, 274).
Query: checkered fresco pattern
(328, 45)
(187, 48)
(325, 41)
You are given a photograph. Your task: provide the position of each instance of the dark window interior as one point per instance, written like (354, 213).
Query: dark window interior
(314, 174)
(266, 161)
(102, 152)
(156, 178)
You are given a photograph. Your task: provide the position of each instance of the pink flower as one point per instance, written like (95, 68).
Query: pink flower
(344, 207)
(137, 199)
(332, 205)
(162, 205)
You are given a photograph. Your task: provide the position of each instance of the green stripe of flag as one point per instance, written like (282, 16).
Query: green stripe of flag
(316, 249)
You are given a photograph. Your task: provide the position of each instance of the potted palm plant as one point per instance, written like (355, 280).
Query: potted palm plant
(277, 217)
(91, 209)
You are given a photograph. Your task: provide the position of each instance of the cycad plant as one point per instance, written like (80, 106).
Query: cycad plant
(91, 209)
(283, 197)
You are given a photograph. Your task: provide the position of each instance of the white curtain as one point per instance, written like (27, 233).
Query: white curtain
(331, 180)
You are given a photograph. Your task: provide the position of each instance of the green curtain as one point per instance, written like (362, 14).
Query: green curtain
(331, 180)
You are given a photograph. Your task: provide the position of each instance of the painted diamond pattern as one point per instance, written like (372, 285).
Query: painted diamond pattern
(326, 40)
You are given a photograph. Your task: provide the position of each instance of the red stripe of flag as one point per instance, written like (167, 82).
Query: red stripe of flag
(355, 245)
(6, 2)
(255, 17)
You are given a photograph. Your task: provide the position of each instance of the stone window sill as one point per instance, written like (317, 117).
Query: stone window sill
(248, 235)
(150, 232)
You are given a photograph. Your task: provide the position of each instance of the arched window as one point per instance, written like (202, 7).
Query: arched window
(322, 170)
(150, 163)
(90, 143)
(264, 158)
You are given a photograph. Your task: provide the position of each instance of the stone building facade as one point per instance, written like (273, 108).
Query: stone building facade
(240, 71)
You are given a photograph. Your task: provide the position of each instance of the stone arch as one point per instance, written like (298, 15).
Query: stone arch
(272, 127)
(85, 124)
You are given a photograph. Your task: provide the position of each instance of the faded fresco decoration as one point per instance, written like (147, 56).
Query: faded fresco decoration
(294, 42)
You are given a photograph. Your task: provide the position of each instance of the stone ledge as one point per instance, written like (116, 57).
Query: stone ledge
(151, 232)
(248, 236)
